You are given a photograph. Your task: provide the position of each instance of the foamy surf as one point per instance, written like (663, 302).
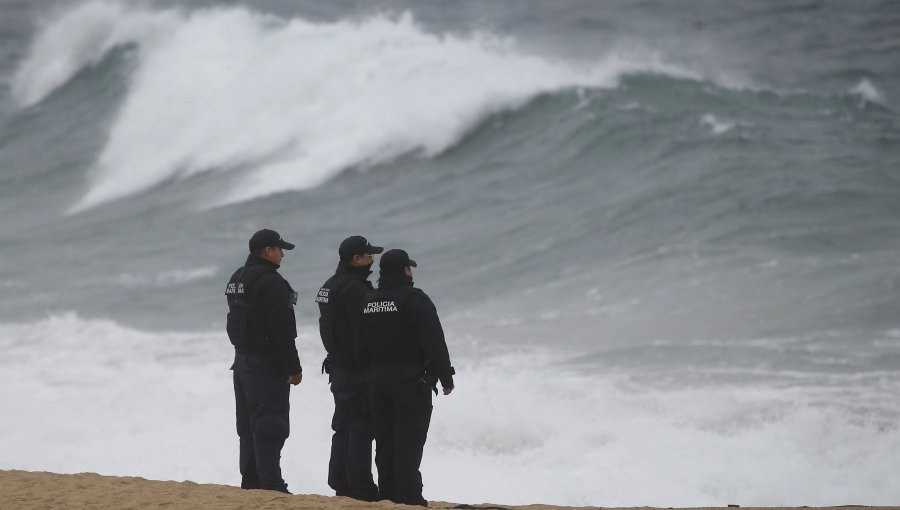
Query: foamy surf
(543, 433)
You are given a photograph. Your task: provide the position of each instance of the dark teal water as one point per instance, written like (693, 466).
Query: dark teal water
(704, 159)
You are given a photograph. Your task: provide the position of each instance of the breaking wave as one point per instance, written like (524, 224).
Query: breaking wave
(288, 102)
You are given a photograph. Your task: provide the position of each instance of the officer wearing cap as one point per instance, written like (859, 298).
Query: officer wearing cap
(403, 345)
(340, 299)
(262, 328)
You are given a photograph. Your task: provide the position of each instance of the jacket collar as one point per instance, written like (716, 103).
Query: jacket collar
(346, 269)
(253, 260)
(394, 281)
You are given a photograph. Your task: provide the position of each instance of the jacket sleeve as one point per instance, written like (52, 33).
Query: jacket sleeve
(432, 341)
(278, 301)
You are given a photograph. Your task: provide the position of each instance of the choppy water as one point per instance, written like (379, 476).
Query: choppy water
(662, 236)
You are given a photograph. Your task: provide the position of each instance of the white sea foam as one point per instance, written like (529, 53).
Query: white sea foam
(92, 395)
(718, 127)
(166, 278)
(79, 38)
(289, 102)
(867, 93)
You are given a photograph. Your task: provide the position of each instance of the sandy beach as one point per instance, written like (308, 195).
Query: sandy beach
(24, 490)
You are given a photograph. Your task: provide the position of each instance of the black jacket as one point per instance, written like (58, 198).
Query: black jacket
(401, 334)
(261, 313)
(340, 299)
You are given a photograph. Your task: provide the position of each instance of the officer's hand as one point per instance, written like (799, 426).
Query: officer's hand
(295, 379)
(448, 390)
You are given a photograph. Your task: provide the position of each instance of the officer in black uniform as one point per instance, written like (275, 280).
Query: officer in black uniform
(262, 327)
(404, 348)
(340, 300)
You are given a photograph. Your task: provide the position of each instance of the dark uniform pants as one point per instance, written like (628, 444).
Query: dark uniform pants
(350, 467)
(261, 395)
(401, 414)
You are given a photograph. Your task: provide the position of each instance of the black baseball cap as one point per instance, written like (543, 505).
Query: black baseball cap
(357, 245)
(395, 260)
(266, 237)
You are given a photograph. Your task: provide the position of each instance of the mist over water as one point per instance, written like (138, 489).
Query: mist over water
(662, 239)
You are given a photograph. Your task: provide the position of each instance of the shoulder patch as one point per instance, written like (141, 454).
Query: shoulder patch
(234, 288)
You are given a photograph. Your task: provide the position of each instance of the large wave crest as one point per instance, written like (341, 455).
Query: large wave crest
(289, 103)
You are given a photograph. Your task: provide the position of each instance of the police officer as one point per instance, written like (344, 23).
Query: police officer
(340, 300)
(262, 327)
(403, 345)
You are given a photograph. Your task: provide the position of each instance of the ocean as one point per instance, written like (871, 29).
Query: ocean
(662, 237)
